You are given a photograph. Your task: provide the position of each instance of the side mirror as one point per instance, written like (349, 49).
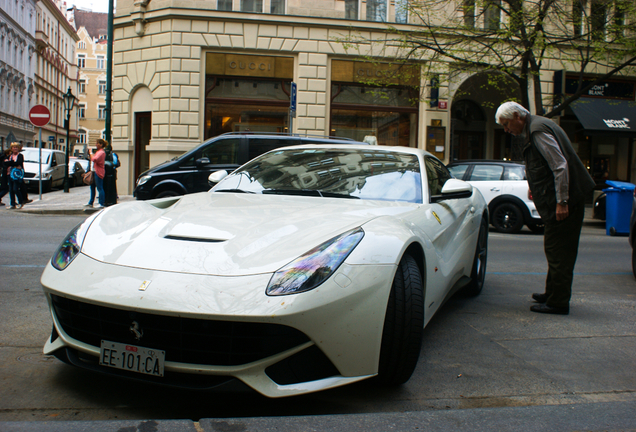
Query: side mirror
(454, 189)
(203, 161)
(216, 177)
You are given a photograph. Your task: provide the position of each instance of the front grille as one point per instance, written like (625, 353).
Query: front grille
(29, 175)
(185, 340)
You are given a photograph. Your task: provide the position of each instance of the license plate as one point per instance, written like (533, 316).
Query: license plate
(132, 358)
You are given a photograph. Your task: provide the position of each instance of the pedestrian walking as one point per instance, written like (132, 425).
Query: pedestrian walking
(15, 170)
(97, 160)
(559, 183)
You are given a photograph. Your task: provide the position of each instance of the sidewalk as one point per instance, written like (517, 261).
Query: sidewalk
(60, 203)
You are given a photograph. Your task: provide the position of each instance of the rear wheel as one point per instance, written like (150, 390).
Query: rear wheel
(478, 273)
(507, 218)
(403, 325)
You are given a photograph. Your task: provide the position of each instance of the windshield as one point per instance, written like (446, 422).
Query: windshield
(340, 173)
(33, 156)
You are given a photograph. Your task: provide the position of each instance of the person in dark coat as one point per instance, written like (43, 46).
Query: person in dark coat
(15, 161)
(559, 183)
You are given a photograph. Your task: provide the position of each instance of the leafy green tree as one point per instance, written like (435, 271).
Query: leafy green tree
(519, 38)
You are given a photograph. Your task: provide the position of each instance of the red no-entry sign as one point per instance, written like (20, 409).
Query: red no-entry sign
(39, 115)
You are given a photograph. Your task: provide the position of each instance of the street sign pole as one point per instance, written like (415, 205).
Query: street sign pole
(39, 115)
(40, 159)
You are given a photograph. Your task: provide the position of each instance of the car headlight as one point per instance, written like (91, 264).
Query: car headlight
(314, 267)
(71, 245)
(143, 179)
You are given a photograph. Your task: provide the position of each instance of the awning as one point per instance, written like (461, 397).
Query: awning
(606, 115)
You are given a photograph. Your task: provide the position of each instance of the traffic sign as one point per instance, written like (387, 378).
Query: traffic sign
(293, 98)
(39, 115)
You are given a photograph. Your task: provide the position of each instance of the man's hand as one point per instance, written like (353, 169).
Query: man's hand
(562, 212)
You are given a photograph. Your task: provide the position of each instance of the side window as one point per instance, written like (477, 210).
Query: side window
(458, 171)
(222, 152)
(437, 175)
(487, 173)
(258, 146)
(515, 173)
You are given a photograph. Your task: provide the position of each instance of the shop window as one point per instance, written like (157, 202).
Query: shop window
(376, 10)
(255, 6)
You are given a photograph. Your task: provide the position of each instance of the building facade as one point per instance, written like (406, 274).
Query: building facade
(187, 71)
(17, 71)
(56, 73)
(92, 29)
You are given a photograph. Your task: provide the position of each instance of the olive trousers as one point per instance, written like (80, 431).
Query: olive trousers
(561, 245)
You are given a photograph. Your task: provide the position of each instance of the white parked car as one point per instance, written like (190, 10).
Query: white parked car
(308, 268)
(53, 167)
(505, 188)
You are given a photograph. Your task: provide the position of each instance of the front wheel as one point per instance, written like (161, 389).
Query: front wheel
(403, 325)
(478, 273)
(507, 218)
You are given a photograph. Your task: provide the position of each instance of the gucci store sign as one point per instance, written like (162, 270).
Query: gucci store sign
(249, 66)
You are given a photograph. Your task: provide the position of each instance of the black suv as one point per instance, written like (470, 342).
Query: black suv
(505, 188)
(189, 172)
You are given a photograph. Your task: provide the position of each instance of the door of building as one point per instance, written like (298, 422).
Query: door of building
(143, 124)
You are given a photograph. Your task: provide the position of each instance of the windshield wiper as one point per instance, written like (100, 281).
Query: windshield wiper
(306, 192)
(234, 191)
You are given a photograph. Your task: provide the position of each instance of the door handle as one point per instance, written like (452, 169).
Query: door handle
(495, 189)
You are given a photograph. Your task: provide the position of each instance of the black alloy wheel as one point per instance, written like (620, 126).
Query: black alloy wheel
(478, 272)
(403, 325)
(507, 218)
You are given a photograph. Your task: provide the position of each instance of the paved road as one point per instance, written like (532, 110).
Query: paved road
(486, 363)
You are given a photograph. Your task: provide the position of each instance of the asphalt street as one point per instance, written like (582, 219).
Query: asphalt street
(486, 363)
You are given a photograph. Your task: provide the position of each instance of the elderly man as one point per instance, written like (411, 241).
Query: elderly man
(559, 183)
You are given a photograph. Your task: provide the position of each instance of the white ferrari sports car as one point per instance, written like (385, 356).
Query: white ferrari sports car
(308, 268)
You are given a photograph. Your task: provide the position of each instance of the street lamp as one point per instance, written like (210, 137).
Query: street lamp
(69, 101)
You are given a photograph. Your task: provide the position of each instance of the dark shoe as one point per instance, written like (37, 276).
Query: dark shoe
(540, 298)
(28, 201)
(543, 308)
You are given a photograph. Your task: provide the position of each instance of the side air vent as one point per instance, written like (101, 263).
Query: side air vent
(193, 239)
(165, 203)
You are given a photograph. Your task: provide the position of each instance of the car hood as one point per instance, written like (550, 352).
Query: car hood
(224, 234)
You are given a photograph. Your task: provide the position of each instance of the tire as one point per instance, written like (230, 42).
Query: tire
(507, 218)
(478, 272)
(167, 194)
(403, 325)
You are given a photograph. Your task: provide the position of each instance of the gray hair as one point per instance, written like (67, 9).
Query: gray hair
(507, 110)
